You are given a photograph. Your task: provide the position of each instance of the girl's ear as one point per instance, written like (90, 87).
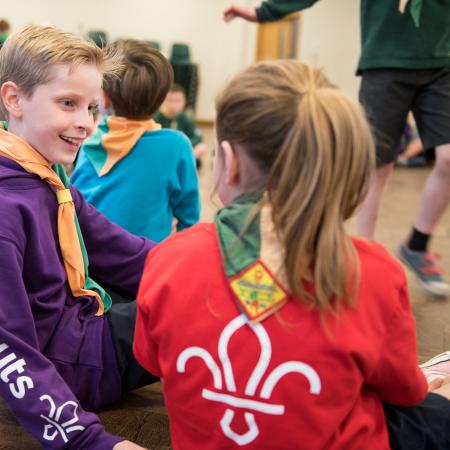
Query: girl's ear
(231, 163)
(11, 97)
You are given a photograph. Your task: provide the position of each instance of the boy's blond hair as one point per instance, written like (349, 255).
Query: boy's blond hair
(144, 80)
(28, 56)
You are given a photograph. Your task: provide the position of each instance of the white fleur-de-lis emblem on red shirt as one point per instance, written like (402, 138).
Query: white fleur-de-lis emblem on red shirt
(54, 427)
(262, 402)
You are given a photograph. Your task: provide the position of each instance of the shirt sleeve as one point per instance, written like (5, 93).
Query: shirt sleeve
(185, 198)
(397, 377)
(191, 130)
(145, 348)
(29, 383)
(116, 257)
(273, 10)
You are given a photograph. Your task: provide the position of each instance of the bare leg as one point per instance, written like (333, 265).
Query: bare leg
(434, 200)
(368, 211)
(436, 192)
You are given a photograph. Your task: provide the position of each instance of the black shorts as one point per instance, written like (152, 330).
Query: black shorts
(387, 96)
(122, 320)
(422, 427)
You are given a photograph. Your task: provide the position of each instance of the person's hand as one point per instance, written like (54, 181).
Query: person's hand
(200, 150)
(244, 12)
(127, 445)
(435, 384)
(443, 389)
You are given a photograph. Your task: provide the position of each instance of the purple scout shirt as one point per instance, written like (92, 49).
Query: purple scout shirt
(57, 359)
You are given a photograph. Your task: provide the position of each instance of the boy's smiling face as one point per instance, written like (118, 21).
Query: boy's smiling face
(60, 114)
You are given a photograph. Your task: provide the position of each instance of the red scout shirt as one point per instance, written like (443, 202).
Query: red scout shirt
(287, 382)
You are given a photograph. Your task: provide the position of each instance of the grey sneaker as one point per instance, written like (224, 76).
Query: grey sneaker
(437, 367)
(423, 265)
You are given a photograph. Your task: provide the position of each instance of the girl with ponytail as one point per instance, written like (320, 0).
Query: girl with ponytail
(270, 327)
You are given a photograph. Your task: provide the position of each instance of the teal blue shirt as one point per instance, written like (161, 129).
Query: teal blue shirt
(155, 182)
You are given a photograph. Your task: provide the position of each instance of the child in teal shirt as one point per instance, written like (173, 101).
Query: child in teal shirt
(137, 174)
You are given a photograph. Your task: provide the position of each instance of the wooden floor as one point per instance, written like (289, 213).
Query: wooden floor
(142, 418)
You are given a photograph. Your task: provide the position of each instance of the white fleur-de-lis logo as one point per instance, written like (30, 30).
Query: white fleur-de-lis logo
(234, 402)
(54, 428)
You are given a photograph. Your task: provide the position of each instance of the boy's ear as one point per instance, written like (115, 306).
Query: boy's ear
(231, 163)
(11, 97)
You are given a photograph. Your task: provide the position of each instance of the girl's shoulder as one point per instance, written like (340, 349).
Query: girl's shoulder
(198, 241)
(376, 261)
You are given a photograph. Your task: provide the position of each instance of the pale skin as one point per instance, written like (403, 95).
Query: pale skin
(434, 200)
(127, 445)
(235, 173)
(413, 149)
(244, 12)
(441, 387)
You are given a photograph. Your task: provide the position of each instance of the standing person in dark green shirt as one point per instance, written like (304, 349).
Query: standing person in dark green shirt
(405, 65)
(172, 115)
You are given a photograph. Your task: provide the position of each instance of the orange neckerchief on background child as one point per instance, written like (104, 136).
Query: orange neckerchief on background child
(18, 150)
(118, 136)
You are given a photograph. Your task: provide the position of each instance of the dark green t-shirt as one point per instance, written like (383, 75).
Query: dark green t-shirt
(181, 123)
(417, 39)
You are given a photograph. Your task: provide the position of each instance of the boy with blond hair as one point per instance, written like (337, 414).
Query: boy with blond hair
(137, 174)
(64, 349)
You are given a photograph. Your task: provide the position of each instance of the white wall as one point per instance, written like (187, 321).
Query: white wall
(329, 37)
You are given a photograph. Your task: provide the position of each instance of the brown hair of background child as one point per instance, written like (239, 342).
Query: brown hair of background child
(316, 147)
(143, 83)
(4, 26)
(177, 88)
(28, 56)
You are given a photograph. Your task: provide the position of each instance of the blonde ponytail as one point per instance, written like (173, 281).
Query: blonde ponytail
(316, 146)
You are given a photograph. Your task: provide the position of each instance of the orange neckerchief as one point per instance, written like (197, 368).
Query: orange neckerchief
(122, 137)
(15, 148)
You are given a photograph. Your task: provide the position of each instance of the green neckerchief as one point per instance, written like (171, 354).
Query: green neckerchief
(89, 282)
(3, 37)
(93, 147)
(239, 251)
(415, 9)
(258, 294)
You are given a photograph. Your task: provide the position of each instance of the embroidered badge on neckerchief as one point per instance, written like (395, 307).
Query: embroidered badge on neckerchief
(251, 256)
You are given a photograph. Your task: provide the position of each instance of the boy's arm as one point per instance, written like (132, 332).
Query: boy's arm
(116, 257)
(29, 383)
(268, 11)
(397, 377)
(185, 198)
